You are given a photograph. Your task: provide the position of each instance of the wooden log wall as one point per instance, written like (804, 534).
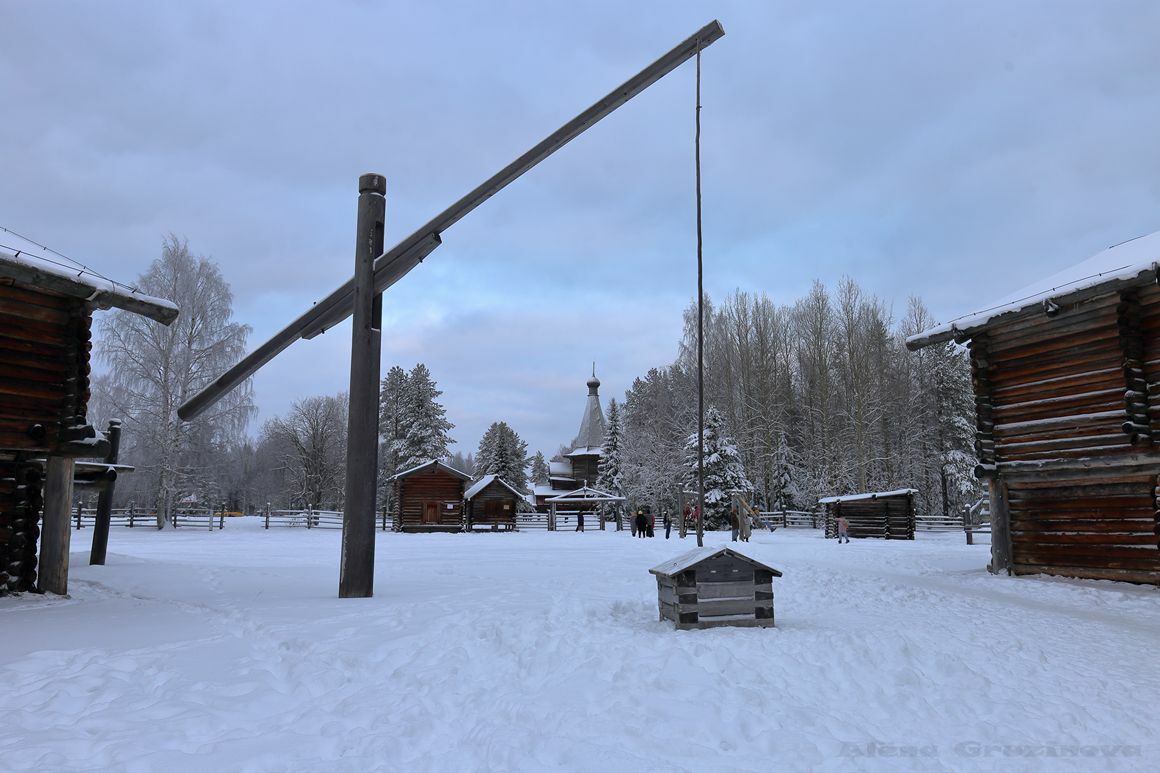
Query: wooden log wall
(20, 503)
(45, 340)
(413, 492)
(495, 492)
(883, 517)
(585, 468)
(1051, 386)
(1073, 402)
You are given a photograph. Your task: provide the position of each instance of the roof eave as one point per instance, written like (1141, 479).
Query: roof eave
(963, 334)
(26, 273)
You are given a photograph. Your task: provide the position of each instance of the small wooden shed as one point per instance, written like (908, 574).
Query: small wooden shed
(429, 497)
(883, 514)
(1066, 376)
(492, 503)
(710, 587)
(46, 312)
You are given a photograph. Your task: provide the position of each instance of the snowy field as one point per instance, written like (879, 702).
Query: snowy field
(196, 651)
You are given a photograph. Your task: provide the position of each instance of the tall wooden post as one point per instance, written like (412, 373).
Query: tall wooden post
(55, 531)
(105, 500)
(1000, 527)
(357, 565)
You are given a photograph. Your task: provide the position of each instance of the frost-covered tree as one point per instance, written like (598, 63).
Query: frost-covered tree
(609, 470)
(463, 463)
(724, 470)
(785, 472)
(153, 369)
(502, 452)
(309, 443)
(540, 469)
(413, 423)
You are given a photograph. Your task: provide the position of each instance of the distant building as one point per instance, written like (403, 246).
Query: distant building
(579, 466)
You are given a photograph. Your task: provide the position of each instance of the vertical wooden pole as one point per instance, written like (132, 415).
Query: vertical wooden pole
(80, 512)
(1000, 527)
(267, 515)
(357, 567)
(55, 532)
(700, 330)
(105, 500)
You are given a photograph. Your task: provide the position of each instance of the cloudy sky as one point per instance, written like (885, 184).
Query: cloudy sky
(950, 150)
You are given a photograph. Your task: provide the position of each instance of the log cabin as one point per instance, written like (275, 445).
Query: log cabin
(46, 314)
(1066, 376)
(884, 514)
(492, 503)
(429, 497)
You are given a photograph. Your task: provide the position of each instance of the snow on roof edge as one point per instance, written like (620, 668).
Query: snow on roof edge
(18, 251)
(1120, 262)
(869, 495)
(697, 555)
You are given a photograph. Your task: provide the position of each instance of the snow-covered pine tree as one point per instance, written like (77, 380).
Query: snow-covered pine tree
(540, 470)
(502, 452)
(785, 469)
(426, 425)
(724, 471)
(609, 471)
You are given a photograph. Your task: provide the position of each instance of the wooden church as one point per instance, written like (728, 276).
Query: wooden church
(1067, 391)
(578, 466)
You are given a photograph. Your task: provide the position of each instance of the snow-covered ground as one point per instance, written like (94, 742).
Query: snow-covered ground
(230, 651)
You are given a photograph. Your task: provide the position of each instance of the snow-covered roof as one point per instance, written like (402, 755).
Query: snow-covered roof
(560, 468)
(871, 495)
(486, 481)
(587, 451)
(543, 490)
(697, 555)
(585, 494)
(433, 464)
(28, 262)
(1130, 263)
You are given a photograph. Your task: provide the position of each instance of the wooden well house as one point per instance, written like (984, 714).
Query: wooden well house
(885, 514)
(46, 312)
(710, 587)
(429, 497)
(1067, 388)
(492, 503)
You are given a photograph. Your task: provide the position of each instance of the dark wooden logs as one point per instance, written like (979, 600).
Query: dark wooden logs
(56, 532)
(105, 500)
(357, 563)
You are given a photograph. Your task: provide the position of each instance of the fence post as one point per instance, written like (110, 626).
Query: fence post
(267, 515)
(131, 514)
(967, 525)
(222, 520)
(309, 515)
(80, 506)
(384, 517)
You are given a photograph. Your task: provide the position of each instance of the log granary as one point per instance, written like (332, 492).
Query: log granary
(711, 587)
(429, 497)
(884, 514)
(492, 503)
(1067, 391)
(46, 311)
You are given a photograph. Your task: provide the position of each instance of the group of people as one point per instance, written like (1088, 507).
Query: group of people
(740, 523)
(643, 524)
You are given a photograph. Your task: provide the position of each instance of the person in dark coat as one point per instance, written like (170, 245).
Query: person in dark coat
(641, 523)
(734, 520)
(580, 521)
(652, 523)
(668, 524)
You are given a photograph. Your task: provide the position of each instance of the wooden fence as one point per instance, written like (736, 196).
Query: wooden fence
(310, 518)
(136, 517)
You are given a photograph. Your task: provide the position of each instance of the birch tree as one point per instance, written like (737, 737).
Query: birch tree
(153, 369)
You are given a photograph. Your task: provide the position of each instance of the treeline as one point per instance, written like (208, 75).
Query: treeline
(820, 397)
(814, 398)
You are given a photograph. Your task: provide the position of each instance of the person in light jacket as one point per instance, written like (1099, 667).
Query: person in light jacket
(843, 529)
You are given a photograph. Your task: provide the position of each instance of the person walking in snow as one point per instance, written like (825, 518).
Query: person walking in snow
(734, 523)
(668, 524)
(746, 524)
(641, 523)
(843, 529)
(632, 524)
(580, 521)
(652, 523)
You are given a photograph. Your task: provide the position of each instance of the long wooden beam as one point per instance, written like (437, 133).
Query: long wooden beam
(396, 262)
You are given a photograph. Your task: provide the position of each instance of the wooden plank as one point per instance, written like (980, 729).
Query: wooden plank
(723, 590)
(56, 531)
(714, 607)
